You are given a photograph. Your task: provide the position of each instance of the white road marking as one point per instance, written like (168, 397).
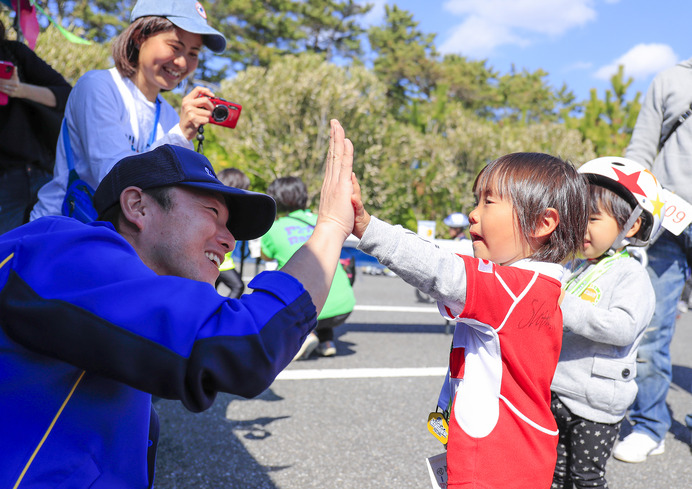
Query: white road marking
(361, 373)
(395, 309)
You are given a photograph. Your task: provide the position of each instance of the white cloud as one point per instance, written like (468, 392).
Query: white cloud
(578, 66)
(376, 14)
(477, 38)
(642, 61)
(491, 23)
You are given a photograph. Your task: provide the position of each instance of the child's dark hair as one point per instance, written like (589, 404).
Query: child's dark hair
(534, 182)
(290, 194)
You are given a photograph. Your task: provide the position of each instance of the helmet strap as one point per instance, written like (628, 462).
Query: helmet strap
(620, 240)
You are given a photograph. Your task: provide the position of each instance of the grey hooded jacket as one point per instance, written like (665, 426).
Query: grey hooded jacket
(597, 366)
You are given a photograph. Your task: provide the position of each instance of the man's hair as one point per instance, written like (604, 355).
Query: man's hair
(534, 182)
(126, 46)
(162, 196)
(290, 194)
(602, 199)
(233, 177)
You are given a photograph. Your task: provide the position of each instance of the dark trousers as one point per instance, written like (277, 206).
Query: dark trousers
(231, 278)
(325, 327)
(583, 449)
(18, 191)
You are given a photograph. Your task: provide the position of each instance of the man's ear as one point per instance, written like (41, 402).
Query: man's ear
(547, 224)
(133, 206)
(635, 228)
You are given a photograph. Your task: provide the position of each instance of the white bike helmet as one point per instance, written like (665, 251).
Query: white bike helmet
(636, 185)
(456, 220)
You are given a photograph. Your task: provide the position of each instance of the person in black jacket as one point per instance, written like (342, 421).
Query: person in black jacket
(36, 98)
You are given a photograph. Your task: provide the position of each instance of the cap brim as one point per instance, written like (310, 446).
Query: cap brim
(211, 38)
(251, 214)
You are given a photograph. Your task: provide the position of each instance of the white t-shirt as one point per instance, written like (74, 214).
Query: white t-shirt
(108, 118)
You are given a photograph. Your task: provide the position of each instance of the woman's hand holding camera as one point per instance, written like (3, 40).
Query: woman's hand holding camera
(195, 111)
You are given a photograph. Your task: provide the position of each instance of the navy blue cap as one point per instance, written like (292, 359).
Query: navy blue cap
(251, 214)
(189, 15)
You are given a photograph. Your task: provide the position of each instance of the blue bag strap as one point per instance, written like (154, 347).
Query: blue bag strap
(152, 137)
(69, 155)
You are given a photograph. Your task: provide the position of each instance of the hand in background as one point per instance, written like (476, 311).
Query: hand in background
(15, 88)
(11, 86)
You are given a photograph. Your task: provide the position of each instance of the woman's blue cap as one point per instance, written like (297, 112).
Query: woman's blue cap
(189, 15)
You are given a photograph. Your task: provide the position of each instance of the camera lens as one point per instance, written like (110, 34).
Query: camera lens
(220, 113)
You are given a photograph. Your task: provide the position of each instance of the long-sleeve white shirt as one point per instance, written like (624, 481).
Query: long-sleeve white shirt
(108, 118)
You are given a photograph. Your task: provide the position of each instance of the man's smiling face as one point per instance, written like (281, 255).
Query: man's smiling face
(189, 240)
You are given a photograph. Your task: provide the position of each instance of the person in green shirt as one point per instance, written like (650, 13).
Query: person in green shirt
(293, 227)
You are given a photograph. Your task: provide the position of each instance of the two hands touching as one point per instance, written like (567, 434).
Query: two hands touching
(341, 213)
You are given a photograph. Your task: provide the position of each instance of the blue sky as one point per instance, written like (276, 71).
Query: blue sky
(578, 42)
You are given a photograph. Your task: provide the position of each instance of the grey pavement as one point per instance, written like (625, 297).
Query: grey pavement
(369, 431)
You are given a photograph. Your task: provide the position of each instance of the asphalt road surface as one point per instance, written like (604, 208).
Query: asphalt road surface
(358, 420)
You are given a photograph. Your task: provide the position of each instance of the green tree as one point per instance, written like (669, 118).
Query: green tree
(283, 129)
(608, 123)
(405, 57)
(71, 60)
(526, 96)
(406, 174)
(471, 82)
(408, 63)
(98, 20)
(331, 27)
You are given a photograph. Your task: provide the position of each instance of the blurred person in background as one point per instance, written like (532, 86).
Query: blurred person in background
(32, 101)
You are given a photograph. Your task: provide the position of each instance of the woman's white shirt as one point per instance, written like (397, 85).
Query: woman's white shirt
(108, 118)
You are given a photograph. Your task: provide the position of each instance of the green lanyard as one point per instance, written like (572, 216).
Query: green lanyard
(578, 287)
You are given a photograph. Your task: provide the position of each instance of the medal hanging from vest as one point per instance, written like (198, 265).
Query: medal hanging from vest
(577, 288)
(437, 425)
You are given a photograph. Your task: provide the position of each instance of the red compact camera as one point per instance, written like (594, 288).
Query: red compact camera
(225, 113)
(6, 70)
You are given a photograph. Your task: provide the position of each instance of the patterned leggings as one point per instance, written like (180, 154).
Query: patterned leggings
(583, 449)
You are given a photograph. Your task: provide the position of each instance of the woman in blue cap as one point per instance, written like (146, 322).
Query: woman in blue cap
(119, 112)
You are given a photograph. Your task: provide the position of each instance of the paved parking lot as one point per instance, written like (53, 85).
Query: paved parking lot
(357, 421)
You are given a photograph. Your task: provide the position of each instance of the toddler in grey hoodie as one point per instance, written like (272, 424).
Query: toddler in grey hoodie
(608, 303)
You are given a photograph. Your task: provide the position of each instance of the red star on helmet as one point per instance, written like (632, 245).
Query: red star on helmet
(630, 181)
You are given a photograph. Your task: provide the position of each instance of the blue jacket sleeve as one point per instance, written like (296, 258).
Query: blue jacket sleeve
(82, 295)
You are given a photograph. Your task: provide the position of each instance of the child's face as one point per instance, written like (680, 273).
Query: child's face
(494, 230)
(600, 234)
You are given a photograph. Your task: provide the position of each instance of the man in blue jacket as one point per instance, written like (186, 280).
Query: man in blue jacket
(95, 318)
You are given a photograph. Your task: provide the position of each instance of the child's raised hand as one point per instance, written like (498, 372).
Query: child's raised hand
(361, 216)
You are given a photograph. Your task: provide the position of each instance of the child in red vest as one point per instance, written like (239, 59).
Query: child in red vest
(531, 215)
